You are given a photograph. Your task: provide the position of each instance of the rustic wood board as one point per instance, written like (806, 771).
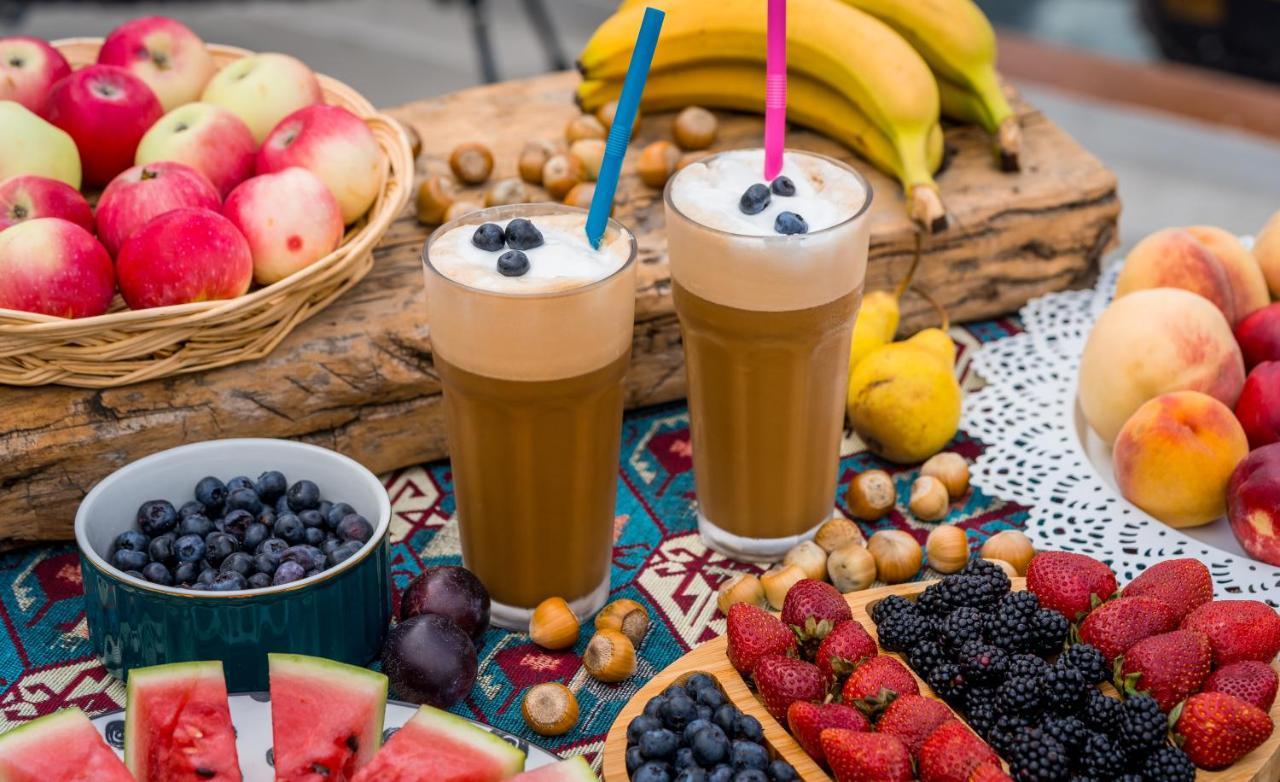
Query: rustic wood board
(1261, 765)
(359, 377)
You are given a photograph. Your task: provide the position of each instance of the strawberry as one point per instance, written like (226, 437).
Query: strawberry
(1168, 667)
(1115, 626)
(806, 721)
(1070, 584)
(912, 718)
(1216, 729)
(1249, 680)
(865, 757)
(782, 681)
(952, 752)
(1183, 584)
(754, 633)
(1237, 629)
(989, 772)
(813, 608)
(876, 682)
(844, 649)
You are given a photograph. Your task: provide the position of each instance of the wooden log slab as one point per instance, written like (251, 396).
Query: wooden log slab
(359, 377)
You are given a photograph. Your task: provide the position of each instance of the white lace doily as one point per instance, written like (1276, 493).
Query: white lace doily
(1041, 454)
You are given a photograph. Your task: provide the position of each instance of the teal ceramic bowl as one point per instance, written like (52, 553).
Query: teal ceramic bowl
(341, 613)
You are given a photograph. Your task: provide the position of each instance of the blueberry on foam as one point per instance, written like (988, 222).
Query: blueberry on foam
(783, 186)
(513, 263)
(790, 223)
(523, 235)
(755, 200)
(489, 237)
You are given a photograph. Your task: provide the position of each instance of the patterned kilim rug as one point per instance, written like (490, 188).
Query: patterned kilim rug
(658, 560)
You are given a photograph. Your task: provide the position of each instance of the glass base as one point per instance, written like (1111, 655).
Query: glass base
(516, 618)
(762, 550)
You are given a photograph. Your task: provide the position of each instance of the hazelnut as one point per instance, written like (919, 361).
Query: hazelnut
(741, 588)
(871, 495)
(583, 126)
(1009, 546)
(897, 555)
(948, 548)
(553, 625)
(851, 568)
(691, 157)
(549, 709)
(610, 656)
(809, 557)
(929, 499)
(778, 582)
(837, 533)
(626, 616)
(415, 139)
(506, 191)
(951, 469)
(435, 195)
(461, 208)
(532, 158)
(657, 163)
(471, 163)
(560, 174)
(589, 152)
(581, 195)
(695, 128)
(608, 111)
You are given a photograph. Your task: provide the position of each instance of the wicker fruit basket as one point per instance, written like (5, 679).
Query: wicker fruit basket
(126, 346)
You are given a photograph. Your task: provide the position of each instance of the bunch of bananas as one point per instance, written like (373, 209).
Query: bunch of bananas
(872, 74)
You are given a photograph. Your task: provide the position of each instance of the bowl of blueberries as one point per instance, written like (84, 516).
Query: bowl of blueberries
(229, 549)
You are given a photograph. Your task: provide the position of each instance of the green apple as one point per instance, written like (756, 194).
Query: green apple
(33, 146)
(263, 89)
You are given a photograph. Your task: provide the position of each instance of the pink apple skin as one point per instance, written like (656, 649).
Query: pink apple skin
(29, 68)
(208, 138)
(290, 219)
(1253, 503)
(1258, 408)
(140, 193)
(31, 197)
(1259, 335)
(105, 110)
(54, 267)
(165, 54)
(333, 144)
(183, 256)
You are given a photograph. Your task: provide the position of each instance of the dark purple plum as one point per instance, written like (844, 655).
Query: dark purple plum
(452, 592)
(430, 660)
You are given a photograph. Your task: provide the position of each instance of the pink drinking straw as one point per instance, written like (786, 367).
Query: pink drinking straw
(775, 90)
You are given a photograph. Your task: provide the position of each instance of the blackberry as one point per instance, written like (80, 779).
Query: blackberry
(1005, 731)
(1012, 624)
(979, 694)
(1101, 713)
(1130, 778)
(976, 591)
(982, 716)
(1064, 689)
(983, 663)
(997, 580)
(1021, 602)
(1020, 695)
(960, 627)
(1036, 756)
(948, 681)
(1169, 764)
(893, 604)
(1068, 730)
(1049, 631)
(1143, 727)
(932, 602)
(1026, 665)
(1101, 757)
(903, 629)
(927, 655)
(1086, 659)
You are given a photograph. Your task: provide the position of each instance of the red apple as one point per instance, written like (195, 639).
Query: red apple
(106, 110)
(182, 256)
(31, 197)
(143, 192)
(208, 138)
(54, 267)
(1253, 503)
(1259, 335)
(1258, 407)
(165, 54)
(333, 144)
(290, 219)
(29, 68)
(263, 89)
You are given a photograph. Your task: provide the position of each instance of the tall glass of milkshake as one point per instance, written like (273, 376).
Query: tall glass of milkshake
(531, 333)
(767, 281)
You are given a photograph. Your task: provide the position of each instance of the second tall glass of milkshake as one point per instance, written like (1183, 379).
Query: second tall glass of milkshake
(767, 279)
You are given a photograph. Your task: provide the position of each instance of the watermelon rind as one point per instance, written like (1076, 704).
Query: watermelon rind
(362, 681)
(81, 752)
(508, 756)
(64, 719)
(575, 769)
(139, 678)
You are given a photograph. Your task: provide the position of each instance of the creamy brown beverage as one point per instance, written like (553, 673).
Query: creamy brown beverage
(767, 281)
(531, 333)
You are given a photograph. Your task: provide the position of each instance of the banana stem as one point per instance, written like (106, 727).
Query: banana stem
(938, 308)
(926, 208)
(1009, 144)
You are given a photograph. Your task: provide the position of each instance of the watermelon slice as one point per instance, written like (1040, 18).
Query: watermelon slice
(575, 769)
(178, 725)
(62, 747)
(437, 746)
(326, 717)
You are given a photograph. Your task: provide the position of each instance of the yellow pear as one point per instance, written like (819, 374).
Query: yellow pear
(904, 402)
(877, 320)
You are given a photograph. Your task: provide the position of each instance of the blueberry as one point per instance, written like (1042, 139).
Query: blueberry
(287, 573)
(195, 524)
(161, 548)
(289, 529)
(189, 549)
(282, 505)
(343, 552)
(654, 707)
(267, 516)
(489, 237)
(245, 500)
(237, 522)
(699, 681)
(513, 263)
(211, 493)
(704, 712)
(337, 512)
(270, 486)
(721, 773)
(310, 557)
(198, 587)
(207, 576)
(324, 507)
(652, 772)
(303, 495)
(314, 536)
(684, 759)
(192, 508)
(783, 186)
(658, 744)
(157, 573)
(755, 200)
(634, 759)
(239, 562)
(273, 547)
(749, 728)
(239, 482)
(679, 711)
(228, 581)
(265, 563)
(125, 559)
(523, 235)
(311, 518)
(131, 540)
(727, 718)
(710, 746)
(259, 581)
(329, 545)
(748, 754)
(156, 517)
(710, 697)
(782, 771)
(219, 546)
(750, 775)
(254, 534)
(788, 223)
(690, 774)
(641, 725)
(355, 527)
(185, 573)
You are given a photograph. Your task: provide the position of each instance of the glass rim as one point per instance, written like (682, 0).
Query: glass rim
(517, 210)
(778, 238)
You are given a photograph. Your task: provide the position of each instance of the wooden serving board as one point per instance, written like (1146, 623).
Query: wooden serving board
(1261, 765)
(359, 378)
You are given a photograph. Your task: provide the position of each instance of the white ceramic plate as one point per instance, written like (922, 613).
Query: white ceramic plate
(251, 714)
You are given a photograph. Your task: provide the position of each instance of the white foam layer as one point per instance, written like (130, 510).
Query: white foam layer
(708, 192)
(565, 260)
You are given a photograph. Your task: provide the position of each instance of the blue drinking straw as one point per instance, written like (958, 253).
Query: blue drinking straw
(620, 133)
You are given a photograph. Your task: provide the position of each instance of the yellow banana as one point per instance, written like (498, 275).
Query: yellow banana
(963, 104)
(854, 53)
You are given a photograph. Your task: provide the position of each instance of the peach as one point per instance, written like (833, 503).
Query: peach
(1253, 504)
(290, 219)
(1174, 457)
(1152, 342)
(1173, 258)
(54, 267)
(184, 255)
(1266, 248)
(1248, 286)
(1259, 406)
